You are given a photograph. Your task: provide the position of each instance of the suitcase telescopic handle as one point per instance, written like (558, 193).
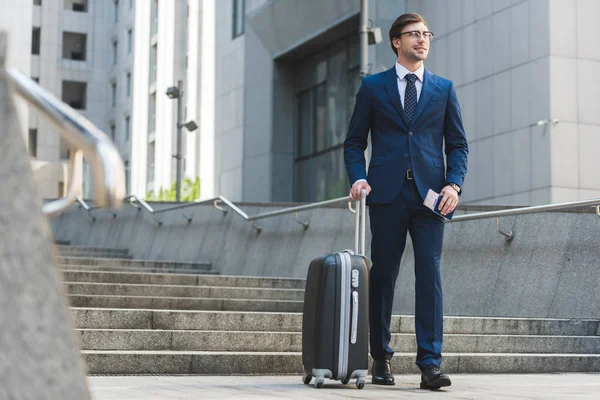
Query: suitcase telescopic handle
(359, 228)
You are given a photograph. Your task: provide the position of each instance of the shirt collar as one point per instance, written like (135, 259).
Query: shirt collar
(401, 71)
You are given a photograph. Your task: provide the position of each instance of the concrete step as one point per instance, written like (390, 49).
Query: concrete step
(292, 322)
(84, 254)
(183, 303)
(184, 291)
(92, 249)
(186, 340)
(182, 279)
(121, 262)
(93, 268)
(231, 363)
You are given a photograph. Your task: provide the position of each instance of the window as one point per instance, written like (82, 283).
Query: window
(325, 87)
(36, 79)
(129, 41)
(35, 41)
(239, 10)
(127, 127)
(74, 46)
(37, 2)
(127, 178)
(154, 17)
(150, 162)
(153, 60)
(61, 189)
(32, 142)
(152, 113)
(76, 5)
(129, 84)
(65, 151)
(113, 131)
(113, 87)
(116, 11)
(115, 52)
(74, 94)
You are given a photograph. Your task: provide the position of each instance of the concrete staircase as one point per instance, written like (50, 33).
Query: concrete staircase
(143, 317)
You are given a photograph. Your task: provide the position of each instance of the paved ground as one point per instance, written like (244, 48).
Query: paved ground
(549, 386)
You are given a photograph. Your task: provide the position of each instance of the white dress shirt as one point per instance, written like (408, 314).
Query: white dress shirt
(401, 72)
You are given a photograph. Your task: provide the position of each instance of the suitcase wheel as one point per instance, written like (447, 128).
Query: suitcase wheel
(345, 381)
(319, 383)
(360, 383)
(306, 378)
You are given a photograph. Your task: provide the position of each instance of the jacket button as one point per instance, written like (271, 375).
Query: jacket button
(405, 155)
(409, 133)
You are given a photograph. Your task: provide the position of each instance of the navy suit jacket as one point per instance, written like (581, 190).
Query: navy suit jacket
(436, 120)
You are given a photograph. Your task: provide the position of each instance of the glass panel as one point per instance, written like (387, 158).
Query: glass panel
(151, 162)
(353, 86)
(354, 52)
(154, 17)
(153, 55)
(238, 17)
(35, 41)
(127, 178)
(127, 127)
(321, 117)
(337, 96)
(305, 124)
(114, 93)
(33, 142)
(152, 113)
(321, 178)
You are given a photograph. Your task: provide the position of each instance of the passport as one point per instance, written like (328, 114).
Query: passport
(432, 201)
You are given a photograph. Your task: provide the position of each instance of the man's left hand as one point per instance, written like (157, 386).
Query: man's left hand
(449, 201)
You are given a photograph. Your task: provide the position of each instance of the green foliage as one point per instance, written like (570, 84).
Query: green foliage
(190, 191)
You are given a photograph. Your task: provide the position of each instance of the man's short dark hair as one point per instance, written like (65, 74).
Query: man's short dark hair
(400, 23)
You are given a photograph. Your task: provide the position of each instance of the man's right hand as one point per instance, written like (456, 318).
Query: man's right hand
(357, 187)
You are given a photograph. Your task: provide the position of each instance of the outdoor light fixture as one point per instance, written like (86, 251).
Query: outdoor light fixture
(190, 126)
(176, 92)
(173, 92)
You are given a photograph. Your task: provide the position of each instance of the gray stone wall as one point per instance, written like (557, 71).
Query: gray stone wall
(548, 270)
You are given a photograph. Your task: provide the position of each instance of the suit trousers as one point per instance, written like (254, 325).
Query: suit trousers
(389, 226)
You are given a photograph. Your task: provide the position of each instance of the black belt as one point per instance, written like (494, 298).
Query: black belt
(409, 174)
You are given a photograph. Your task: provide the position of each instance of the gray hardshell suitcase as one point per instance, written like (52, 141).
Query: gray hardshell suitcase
(335, 320)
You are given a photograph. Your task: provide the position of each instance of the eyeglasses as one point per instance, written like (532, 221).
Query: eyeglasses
(428, 35)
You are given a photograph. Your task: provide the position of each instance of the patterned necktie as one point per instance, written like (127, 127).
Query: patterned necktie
(410, 96)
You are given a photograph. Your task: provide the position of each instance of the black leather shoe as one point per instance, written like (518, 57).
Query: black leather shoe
(433, 378)
(382, 372)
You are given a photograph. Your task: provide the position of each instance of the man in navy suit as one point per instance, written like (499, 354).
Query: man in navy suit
(413, 116)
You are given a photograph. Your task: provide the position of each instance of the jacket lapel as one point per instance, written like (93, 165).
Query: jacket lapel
(429, 85)
(391, 87)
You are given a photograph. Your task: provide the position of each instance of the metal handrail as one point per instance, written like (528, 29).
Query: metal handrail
(528, 210)
(84, 139)
(296, 209)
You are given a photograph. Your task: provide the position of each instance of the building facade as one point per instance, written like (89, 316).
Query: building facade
(81, 51)
(526, 74)
(271, 86)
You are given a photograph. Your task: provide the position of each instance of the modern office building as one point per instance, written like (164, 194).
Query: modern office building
(82, 52)
(271, 86)
(285, 88)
